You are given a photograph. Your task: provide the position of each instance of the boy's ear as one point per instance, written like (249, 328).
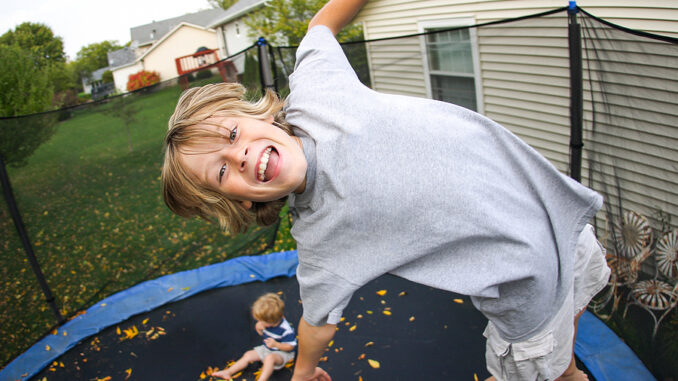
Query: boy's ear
(269, 119)
(246, 204)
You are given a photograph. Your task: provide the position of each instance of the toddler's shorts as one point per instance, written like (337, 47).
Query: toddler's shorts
(546, 355)
(263, 351)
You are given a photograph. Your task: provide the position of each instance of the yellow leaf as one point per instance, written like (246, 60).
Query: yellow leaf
(403, 293)
(360, 378)
(103, 304)
(185, 289)
(117, 330)
(202, 375)
(61, 365)
(359, 316)
(129, 373)
(47, 347)
(330, 343)
(460, 301)
(369, 344)
(352, 328)
(362, 356)
(411, 318)
(54, 331)
(373, 363)
(145, 321)
(381, 292)
(475, 377)
(369, 312)
(170, 289)
(387, 312)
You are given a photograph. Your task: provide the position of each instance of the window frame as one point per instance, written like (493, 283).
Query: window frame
(425, 25)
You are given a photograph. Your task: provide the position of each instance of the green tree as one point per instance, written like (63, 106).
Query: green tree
(94, 56)
(223, 4)
(39, 40)
(284, 22)
(24, 89)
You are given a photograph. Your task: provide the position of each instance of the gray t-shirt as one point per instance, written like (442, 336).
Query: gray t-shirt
(428, 191)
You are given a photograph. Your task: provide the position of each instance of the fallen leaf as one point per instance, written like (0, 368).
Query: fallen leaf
(402, 293)
(386, 312)
(129, 373)
(475, 377)
(330, 343)
(145, 321)
(411, 318)
(202, 375)
(47, 347)
(373, 363)
(352, 328)
(460, 301)
(381, 292)
(369, 344)
(362, 356)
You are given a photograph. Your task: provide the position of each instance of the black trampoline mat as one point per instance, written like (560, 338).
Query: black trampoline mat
(429, 334)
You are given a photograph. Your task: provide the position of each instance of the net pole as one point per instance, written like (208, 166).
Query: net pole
(265, 66)
(576, 91)
(23, 235)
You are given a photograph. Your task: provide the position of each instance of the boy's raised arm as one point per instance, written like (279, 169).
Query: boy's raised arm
(336, 14)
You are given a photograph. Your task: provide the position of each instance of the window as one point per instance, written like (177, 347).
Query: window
(451, 64)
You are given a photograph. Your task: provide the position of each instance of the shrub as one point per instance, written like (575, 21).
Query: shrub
(107, 76)
(142, 79)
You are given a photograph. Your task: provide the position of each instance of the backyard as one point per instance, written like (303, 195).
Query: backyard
(94, 213)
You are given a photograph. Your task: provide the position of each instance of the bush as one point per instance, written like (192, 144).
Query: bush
(142, 79)
(107, 76)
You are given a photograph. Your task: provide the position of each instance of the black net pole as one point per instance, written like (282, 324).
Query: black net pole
(265, 66)
(23, 235)
(273, 68)
(576, 92)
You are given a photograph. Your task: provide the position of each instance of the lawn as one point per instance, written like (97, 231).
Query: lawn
(95, 215)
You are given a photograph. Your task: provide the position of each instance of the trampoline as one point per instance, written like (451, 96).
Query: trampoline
(183, 326)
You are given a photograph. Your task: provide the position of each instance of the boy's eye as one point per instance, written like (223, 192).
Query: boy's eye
(221, 172)
(234, 134)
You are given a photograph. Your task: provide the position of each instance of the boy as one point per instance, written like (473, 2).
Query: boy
(279, 339)
(382, 183)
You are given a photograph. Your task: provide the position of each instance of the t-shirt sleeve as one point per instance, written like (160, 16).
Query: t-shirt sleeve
(319, 53)
(324, 295)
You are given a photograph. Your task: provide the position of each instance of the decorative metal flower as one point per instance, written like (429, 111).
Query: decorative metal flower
(633, 234)
(666, 254)
(654, 294)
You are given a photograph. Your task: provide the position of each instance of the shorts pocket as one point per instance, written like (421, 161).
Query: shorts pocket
(535, 347)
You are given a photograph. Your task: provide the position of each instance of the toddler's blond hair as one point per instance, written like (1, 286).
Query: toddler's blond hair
(268, 308)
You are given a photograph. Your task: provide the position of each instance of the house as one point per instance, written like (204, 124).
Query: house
(518, 75)
(95, 85)
(232, 33)
(123, 63)
(156, 45)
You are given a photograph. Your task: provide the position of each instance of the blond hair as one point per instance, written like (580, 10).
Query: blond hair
(182, 193)
(268, 308)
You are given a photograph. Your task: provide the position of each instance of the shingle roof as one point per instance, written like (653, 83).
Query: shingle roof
(146, 34)
(238, 9)
(121, 57)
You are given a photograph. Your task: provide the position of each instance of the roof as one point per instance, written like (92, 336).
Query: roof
(121, 57)
(170, 33)
(149, 33)
(238, 9)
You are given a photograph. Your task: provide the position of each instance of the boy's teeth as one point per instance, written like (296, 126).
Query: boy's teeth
(264, 163)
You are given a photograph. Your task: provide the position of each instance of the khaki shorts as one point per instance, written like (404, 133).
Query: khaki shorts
(262, 351)
(547, 355)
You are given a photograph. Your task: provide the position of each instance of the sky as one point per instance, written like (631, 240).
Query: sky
(82, 22)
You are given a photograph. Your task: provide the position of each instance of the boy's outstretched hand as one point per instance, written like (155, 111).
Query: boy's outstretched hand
(318, 375)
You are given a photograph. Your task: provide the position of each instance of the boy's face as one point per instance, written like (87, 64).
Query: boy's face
(258, 161)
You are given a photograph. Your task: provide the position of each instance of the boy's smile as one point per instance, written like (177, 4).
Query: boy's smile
(255, 161)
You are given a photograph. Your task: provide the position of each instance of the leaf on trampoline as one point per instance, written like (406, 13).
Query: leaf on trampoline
(361, 357)
(47, 347)
(402, 293)
(411, 318)
(128, 372)
(145, 321)
(458, 301)
(475, 377)
(129, 333)
(330, 343)
(381, 292)
(386, 312)
(289, 364)
(369, 312)
(373, 363)
(353, 328)
(360, 316)
(369, 344)
(117, 330)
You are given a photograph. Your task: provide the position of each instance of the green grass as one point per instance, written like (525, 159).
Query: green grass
(95, 215)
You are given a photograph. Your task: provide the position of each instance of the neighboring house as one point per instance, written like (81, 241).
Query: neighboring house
(517, 76)
(232, 33)
(123, 62)
(158, 44)
(95, 86)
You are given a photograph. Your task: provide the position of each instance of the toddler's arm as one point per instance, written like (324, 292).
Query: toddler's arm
(272, 343)
(336, 14)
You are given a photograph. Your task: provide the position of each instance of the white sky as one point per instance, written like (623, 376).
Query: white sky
(82, 22)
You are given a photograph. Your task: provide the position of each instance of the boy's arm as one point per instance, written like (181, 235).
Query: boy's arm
(285, 347)
(312, 344)
(336, 14)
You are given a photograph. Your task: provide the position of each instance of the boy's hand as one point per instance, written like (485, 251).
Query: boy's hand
(318, 375)
(271, 343)
(260, 328)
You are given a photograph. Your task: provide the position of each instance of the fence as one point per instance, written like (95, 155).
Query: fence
(597, 100)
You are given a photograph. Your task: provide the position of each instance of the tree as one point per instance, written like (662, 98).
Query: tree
(223, 4)
(39, 40)
(284, 22)
(24, 89)
(94, 56)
